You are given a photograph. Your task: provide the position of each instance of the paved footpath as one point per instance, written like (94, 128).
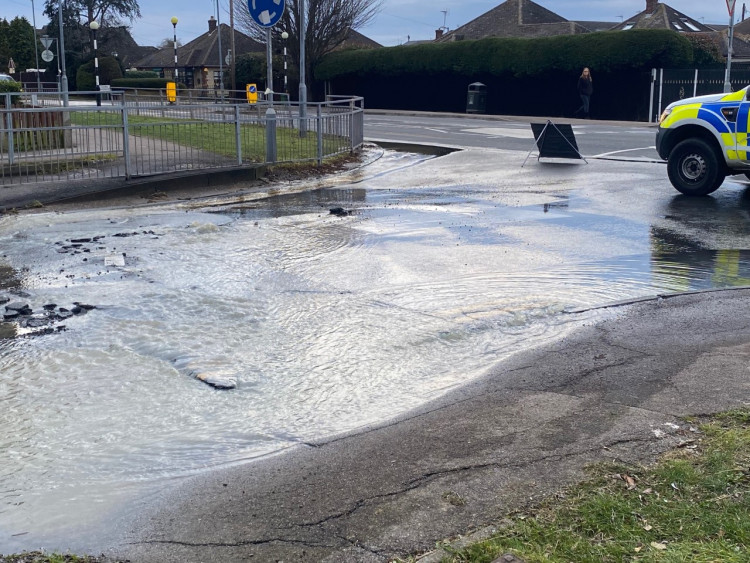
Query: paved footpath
(615, 389)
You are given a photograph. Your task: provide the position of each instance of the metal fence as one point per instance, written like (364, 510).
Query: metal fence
(51, 139)
(670, 85)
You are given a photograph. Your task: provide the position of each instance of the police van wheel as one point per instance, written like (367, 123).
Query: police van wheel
(694, 168)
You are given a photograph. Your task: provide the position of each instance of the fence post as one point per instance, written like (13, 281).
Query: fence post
(271, 149)
(695, 84)
(319, 125)
(10, 136)
(661, 86)
(651, 100)
(237, 139)
(126, 142)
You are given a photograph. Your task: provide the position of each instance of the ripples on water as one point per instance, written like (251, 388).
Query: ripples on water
(327, 324)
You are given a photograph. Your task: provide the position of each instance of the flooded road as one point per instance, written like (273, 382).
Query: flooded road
(430, 271)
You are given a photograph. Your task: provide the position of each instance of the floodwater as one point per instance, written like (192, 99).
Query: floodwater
(326, 322)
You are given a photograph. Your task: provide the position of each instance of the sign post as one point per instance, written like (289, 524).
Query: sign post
(727, 84)
(266, 13)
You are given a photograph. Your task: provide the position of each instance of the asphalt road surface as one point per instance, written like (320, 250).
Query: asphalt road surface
(620, 140)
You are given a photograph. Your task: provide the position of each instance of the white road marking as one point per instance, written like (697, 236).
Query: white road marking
(623, 150)
(502, 132)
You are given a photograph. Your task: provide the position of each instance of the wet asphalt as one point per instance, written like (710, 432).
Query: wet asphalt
(618, 388)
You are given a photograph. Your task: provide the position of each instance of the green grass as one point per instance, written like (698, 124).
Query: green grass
(694, 505)
(212, 136)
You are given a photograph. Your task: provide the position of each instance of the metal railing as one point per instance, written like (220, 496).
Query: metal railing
(670, 85)
(130, 136)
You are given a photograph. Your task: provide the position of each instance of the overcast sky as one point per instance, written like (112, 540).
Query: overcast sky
(398, 20)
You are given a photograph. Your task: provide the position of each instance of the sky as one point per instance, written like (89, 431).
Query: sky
(397, 22)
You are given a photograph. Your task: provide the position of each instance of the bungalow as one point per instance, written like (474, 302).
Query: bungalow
(198, 63)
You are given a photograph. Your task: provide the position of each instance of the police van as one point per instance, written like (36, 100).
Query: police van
(704, 140)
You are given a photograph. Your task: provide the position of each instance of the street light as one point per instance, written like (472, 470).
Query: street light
(36, 48)
(302, 83)
(285, 36)
(94, 26)
(174, 28)
(64, 77)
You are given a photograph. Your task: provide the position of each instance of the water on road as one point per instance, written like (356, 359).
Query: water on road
(327, 322)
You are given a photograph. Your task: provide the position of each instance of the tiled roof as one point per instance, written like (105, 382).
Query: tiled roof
(662, 16)
(203, 50)
(355, 40)
(515, 18)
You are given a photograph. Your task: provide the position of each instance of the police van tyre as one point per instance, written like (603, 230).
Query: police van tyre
(694, 168)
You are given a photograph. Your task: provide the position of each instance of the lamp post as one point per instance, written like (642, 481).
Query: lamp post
(174, 41)
(727, 72)
(36, 48)
(64, 77)
(94, 26)
(285, 36)
(302, 85)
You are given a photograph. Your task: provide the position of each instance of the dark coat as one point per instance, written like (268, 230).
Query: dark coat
(585, 86)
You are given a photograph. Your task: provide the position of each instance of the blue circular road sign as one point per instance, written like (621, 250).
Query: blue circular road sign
(266, 12)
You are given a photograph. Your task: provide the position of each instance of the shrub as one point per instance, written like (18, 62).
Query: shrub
(156, 83)
(109, 70)
(141, 74)
(9, 86)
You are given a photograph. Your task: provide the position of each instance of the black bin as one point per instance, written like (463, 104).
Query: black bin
(476, 98)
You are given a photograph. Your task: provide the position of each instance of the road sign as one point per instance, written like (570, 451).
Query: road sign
(47, 56)
(730, 6)
(46, 41)
(266, 12)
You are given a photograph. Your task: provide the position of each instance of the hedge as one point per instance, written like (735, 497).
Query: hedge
(141, 74)
(523, 76)
(606, 51)
(156, 83)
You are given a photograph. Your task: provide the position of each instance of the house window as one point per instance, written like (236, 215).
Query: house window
(628, 26)
(188, 78)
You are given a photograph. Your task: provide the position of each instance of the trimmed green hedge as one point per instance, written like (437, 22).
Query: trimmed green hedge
(156, 83)
(605, 51)
(141, 74)
(523, 76)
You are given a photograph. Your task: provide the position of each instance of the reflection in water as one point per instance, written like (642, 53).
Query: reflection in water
(691, 249)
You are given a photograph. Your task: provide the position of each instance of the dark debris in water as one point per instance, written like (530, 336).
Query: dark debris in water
(19, 314)
(340, 212)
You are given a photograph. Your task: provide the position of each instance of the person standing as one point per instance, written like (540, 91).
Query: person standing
(585, 89)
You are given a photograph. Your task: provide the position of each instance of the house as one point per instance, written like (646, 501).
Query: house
(514, 18)
(355, 40)
(658, 15)
(198, 63)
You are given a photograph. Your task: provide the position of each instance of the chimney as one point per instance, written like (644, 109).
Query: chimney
(651, 5)
(212, 25)
(438, 34)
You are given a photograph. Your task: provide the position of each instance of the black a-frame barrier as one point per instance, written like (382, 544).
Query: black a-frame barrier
(554, 141)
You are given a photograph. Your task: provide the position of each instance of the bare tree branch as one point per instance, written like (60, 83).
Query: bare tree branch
(329, 23)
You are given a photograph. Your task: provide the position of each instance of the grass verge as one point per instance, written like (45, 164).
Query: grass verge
(693, 505)
(217, 136)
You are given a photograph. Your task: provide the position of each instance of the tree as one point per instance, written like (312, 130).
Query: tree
(76, 15)
(328, 24)
(168, 43)
(109, 13)
(19, 37)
